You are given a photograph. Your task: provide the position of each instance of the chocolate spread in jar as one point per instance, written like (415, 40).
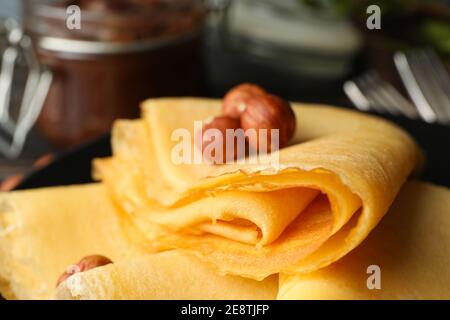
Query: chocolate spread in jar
(125, 52)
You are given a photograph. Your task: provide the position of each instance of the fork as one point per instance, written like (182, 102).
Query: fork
(427, 82)
(370, 92)
(425, 78)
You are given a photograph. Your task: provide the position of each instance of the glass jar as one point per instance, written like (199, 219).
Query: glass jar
(306, 50)
(121, 53)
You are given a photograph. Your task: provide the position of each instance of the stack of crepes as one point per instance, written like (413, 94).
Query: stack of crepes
(250, 231)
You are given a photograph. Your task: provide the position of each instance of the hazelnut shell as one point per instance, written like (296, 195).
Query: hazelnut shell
(269, 112)
(234, 102)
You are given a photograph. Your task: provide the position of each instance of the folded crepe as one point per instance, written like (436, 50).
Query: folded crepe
(170, 275)
(330, 188)
(411, 247)
(409, 252)
(43, 232)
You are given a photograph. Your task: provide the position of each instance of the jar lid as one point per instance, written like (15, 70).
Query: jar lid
(141, 26)
(103, 48)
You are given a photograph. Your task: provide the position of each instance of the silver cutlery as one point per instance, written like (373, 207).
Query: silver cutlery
(427, 83)
(371, 92)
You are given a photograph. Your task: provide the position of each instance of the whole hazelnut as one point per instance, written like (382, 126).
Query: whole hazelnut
(87, 263)
(269, 112)
(221, 123)
(234, 102)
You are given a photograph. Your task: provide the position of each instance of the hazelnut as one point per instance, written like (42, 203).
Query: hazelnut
(87, 263)
(269, 112)
(234, 102)
(222, 123)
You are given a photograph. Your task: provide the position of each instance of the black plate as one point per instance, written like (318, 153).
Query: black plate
(71, 167)
(74, 166)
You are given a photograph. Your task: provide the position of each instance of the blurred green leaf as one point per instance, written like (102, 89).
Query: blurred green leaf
(438, 34)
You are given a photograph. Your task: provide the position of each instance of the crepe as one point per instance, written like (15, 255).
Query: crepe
(411, 247)
(301, 217)
(43, 232)
(328, 190)
(170, 275)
